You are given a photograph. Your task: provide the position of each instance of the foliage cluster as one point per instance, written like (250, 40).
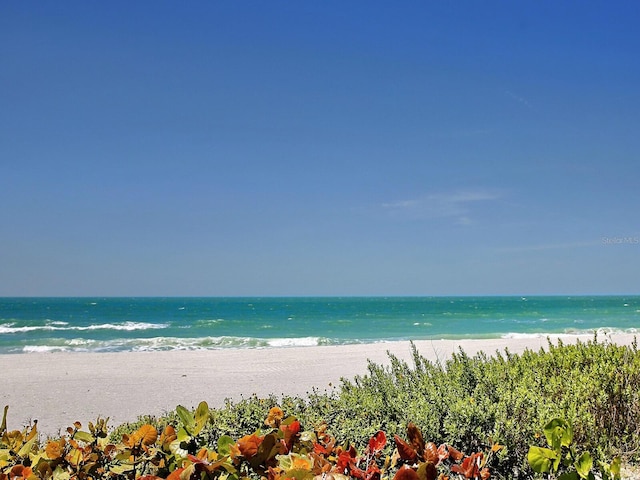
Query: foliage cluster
(279, 450)
(472, 402)
(469, 403)
(564, 460)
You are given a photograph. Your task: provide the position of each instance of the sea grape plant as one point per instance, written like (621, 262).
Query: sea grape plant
(280, 450)
(562, 458)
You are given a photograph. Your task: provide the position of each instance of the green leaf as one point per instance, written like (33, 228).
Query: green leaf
(187, 419)
(182, 435)
(201, 417)
(224, 445)
(569, 476)
(27, 447)
(614, 468)
(175, 447)
(285, 462)
(84, 436)
(584, 464)
(610, 471)
(267, 450)
(120, 469)
(60, 474)
(3, 426)
(559, 433)
(540, 459)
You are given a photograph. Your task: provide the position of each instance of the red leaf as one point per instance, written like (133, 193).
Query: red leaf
(415, 438)
(343, 461)
(469, 467)
(373, 472)
(357, 472)
(406, 473)
(406, 451)
(290, 432)
(377, 442)
(431, 453)
(292, 429)
(320, 449)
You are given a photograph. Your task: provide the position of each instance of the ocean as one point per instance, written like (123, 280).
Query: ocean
(174, 323)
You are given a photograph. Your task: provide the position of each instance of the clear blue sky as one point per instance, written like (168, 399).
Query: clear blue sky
(319, 148)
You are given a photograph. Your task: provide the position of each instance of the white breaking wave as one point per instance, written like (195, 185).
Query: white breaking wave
(171, 343)
(7, 328)
(43, 349)
(295, 342)
(123, 326)
(573, 332)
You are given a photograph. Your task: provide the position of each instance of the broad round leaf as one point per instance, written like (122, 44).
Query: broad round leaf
(54, 450)
(406, 473)
(147, 434)
(584, 464)
(541, 459)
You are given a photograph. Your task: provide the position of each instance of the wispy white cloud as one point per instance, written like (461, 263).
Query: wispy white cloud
(521, 100)
(457, 204)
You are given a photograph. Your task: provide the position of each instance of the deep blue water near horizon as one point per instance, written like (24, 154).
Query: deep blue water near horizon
(149, 323)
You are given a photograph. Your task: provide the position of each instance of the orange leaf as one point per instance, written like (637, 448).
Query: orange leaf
(53, 451)
(274, 417)
(406, 451)
(455, 454)
(175, 475)
(249, 444)
(147, 434)
(406, 473)
(415, 438)
(110, 450)
(302, 463)
(17, 470)
(168, 435)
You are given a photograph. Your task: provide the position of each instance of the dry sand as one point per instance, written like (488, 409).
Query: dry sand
(60, 388)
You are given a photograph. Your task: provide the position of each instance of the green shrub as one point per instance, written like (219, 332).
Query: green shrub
(474, 402)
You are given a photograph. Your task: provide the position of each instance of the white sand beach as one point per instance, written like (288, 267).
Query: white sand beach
(60, 388)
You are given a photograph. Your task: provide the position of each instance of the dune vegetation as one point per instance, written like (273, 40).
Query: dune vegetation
(566, 411)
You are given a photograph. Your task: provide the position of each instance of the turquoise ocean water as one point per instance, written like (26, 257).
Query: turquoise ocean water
(127, 324)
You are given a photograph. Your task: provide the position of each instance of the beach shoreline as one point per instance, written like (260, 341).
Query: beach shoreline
(60, 388)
